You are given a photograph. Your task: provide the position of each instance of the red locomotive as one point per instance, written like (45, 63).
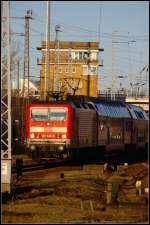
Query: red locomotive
(66, 128)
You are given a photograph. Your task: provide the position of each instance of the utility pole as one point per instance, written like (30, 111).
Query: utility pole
(113, 60)
(18, 77)
(88, 76)
(48, 83)
(113, 65)
(26, 50)
(57, 58)
(6, 156)
(70, 70)
(147, 80)
(26, 72)
(130, 68)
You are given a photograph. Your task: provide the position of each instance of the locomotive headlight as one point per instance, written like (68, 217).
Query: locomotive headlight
(61, 148)
(32, 135)
(32, 147)
(63, 135)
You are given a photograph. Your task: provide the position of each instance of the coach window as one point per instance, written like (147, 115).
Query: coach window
(84, 106)
(136, 114)
(139, 115)
(96, 107)
(77, 105)
(142, 116)
(90, 106)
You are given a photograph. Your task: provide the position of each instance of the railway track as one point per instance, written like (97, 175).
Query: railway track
(39, 166)
(142, 174)
(58, 163)
(66, 162)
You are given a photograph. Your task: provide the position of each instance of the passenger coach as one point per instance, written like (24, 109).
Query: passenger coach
(64, 129)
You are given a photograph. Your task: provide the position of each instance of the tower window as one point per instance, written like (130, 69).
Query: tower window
(74, 70)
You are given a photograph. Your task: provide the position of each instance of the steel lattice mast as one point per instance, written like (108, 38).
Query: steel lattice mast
(26, 51)
(5, 98)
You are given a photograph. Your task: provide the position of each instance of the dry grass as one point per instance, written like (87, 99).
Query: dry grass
(78, 197)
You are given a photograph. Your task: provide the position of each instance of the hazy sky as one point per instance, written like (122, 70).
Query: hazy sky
(82, 21)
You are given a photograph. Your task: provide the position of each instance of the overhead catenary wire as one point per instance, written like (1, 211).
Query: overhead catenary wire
(73, 31)
(95, 34)
(100, 21)
(107, 35)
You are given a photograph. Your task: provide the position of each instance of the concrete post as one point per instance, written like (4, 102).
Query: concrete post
(109, 193)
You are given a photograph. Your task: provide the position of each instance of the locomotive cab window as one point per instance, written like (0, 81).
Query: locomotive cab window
(39, 114)
(57, 114)
(51, 114)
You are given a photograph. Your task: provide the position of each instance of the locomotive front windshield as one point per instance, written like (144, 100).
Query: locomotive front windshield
(48, 114)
